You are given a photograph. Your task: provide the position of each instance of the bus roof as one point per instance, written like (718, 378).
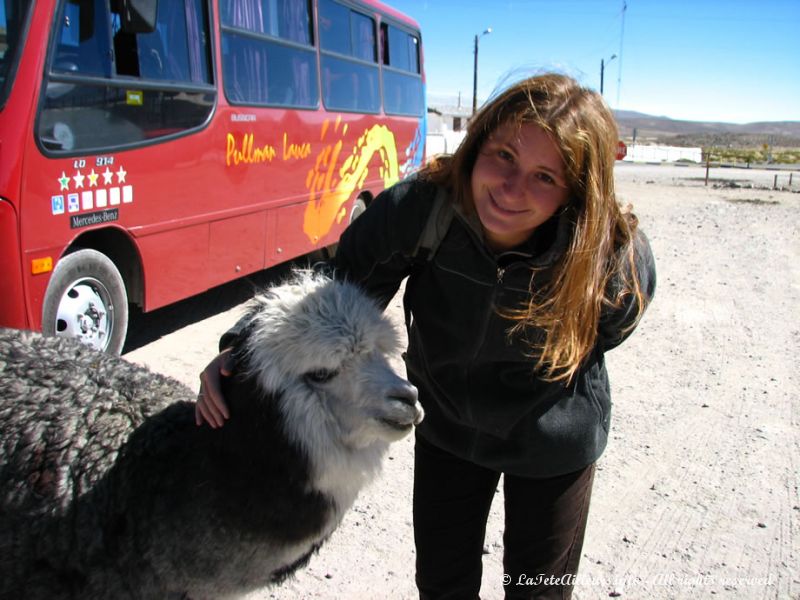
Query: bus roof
(392, 12)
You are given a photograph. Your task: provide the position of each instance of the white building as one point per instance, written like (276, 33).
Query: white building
(446, 128)
(647, 153)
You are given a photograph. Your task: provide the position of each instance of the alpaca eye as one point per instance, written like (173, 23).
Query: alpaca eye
(320, 376)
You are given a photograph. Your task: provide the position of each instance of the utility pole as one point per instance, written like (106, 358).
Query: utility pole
(475, 72)
(602, 70)
(621, 41)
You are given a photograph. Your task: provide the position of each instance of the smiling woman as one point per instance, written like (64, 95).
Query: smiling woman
(518, 183)
(537, 274)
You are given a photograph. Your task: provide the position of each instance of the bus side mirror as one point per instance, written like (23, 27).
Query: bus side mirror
(137, 16)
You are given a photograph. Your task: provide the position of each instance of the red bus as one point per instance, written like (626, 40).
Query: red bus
(150, 150)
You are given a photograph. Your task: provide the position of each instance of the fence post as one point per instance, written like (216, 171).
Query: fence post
(775, 183)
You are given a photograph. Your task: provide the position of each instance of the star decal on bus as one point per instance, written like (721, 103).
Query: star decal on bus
(108, 177)
(63, 181)
(93, 178)
(78, 179)
(121, 175)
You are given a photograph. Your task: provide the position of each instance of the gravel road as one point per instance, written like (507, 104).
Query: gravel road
(697, 494)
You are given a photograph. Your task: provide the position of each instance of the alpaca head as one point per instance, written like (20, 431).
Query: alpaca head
(321, 346)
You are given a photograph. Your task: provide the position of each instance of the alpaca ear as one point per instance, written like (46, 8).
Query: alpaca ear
(238, 337)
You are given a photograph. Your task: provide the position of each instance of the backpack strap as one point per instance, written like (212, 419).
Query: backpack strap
(436, 227)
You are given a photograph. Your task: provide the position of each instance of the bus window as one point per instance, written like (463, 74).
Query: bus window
(349, 59)
(172, 52)
(268, 53)
(13, 15)
(402, 83)
(109, 88)
(83, 42)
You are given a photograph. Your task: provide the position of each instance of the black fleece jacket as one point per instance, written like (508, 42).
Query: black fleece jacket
(483, 400)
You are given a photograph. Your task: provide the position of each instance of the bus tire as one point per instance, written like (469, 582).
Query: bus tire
(86, 298)
(359, 206)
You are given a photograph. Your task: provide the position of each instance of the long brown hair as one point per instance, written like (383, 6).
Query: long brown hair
(601, 247)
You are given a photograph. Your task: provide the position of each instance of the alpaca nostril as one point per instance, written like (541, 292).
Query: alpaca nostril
(407, 394)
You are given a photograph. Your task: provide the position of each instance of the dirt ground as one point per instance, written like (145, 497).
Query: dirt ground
(697, 494)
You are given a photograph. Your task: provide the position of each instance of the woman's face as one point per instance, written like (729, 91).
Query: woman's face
(518, 182)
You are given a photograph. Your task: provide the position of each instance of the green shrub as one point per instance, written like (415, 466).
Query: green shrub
(752, 155)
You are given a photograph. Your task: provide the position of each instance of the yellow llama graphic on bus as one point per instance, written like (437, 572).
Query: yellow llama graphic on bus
(334, 177)
(330, 186)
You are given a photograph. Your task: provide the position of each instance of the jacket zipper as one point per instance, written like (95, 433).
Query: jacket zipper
(500, 272)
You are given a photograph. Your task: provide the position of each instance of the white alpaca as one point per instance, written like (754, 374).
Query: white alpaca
(109, 490)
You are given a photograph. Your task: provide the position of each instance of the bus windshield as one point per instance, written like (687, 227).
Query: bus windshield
(13, 16)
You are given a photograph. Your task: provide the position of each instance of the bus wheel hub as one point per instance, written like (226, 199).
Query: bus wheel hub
(80, 314)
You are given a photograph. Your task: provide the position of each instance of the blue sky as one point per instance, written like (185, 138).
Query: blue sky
(734, 61)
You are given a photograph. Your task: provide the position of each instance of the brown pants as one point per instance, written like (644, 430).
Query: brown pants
(544, 528)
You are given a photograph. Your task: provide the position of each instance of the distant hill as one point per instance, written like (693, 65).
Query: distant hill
(649, 128)
(674, 132)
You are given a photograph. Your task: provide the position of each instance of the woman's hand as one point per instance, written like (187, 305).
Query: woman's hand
(211, 407)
